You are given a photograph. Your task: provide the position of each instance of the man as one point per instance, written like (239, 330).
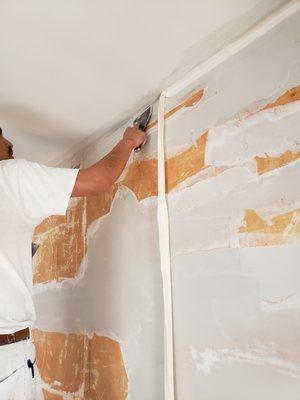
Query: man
(30, 192)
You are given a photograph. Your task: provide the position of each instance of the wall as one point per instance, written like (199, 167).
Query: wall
(232, 171)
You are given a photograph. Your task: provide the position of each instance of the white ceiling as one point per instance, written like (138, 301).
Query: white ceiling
(73, 68)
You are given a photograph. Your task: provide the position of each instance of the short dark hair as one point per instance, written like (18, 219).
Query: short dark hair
(0, 131)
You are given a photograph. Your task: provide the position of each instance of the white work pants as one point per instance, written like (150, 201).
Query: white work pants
(16, 379)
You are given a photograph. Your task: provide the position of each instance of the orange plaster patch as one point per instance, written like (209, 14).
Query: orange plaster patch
(282, 228)
(68, 361)
(289, 96)
(268, 163)
(61, 359)
(49, 224)
(106, 376)
(98, 206)
(63, 249)
(141, 178)
(253, 223)
(186, 164)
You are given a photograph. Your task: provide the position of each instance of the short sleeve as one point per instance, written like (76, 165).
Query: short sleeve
(40, 191)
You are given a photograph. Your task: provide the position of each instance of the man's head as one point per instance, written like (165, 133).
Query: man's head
(6, 148)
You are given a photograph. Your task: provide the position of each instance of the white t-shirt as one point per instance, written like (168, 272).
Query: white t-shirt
(29, 192)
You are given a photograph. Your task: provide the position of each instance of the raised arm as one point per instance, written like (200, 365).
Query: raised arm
(102, 175)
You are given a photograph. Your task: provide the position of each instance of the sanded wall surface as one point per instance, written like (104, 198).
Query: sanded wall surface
(232, 173)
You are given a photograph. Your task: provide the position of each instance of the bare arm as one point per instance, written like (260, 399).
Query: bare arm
(102, 175)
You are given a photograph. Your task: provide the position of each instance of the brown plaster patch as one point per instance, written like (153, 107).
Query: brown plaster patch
(98, 206)
(253, 223)
(186, 164)
(63, 249)
(141, 178)
(67, 362)
(208, 172)
(61, 359)
(271, 230)
(289, 96)
(106, 377)
(49, 224)
(268, 163)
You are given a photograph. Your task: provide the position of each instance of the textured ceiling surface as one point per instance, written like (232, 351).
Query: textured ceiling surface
(77, 68)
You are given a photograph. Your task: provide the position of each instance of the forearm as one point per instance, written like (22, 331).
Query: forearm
(100, 177)
(109, 168)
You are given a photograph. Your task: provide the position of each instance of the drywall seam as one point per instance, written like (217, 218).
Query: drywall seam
(247, 38)
(165, 262)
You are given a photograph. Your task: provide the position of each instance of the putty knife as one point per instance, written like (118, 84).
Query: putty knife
(142, 121)
(34, 248)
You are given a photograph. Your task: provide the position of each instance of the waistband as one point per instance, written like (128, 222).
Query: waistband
(9, 338)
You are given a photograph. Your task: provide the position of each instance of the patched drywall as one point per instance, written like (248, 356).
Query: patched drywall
(80, 366)
(235, 237)
(231, 171)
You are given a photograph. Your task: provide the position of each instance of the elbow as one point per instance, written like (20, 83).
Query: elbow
(90, 184)
(100, 181)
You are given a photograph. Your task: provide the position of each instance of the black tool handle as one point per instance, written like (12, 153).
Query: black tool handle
(142, 128)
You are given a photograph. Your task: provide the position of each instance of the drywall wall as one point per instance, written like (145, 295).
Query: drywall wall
(232, 171)
(235, 228)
